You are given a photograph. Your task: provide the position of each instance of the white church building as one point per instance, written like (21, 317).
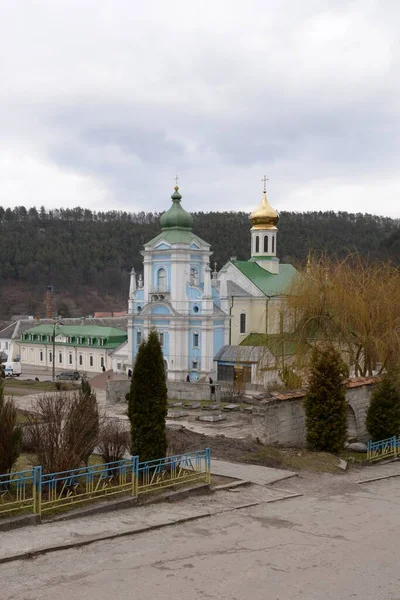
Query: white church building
(178, 297)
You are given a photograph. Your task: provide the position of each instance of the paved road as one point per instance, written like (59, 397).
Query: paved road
(325, 546)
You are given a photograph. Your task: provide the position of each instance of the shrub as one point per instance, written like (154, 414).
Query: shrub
(114, 441)
(383, 416)
(10, 433)
(177, 442)
(63, 431)
(325, 403)
(148, 402)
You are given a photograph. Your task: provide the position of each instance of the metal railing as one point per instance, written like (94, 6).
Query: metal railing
(193, 467)
(19, 491)
(38, 493)
(88, 483)
(383, 449)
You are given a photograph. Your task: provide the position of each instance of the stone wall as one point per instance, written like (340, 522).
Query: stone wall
(282, 419)
(179, 390)
(117, 390)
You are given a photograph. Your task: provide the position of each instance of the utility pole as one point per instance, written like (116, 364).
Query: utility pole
(57, 323)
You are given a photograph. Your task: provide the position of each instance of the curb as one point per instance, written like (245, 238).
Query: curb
(379, 478)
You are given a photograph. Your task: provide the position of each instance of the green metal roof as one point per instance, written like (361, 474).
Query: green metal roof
(270, 284)
(275, 343)
(113, 337)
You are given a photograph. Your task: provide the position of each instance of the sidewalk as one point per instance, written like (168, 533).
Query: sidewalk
(54, 536)
(253, 473)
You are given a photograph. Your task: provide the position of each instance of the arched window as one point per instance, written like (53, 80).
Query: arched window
(194, 276)
(91, 361)
(265, 243)
(257, 244)
(273, 244)
(242, 323)
(162, 280)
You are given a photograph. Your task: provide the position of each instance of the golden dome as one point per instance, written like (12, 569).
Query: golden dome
(264, 217)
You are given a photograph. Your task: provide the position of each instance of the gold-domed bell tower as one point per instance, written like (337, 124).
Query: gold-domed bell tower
(263, 234)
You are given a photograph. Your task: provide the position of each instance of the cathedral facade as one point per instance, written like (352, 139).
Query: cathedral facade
(178, 297)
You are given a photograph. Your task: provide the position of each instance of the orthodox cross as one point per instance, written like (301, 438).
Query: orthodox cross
(264, 180)
(176, 179)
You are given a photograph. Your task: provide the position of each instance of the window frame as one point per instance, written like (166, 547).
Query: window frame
(242, 323)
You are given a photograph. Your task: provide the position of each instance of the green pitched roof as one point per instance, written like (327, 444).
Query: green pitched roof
(113, 337)
(273, 342)
(276, 344)
(79, 330)
(270, 284)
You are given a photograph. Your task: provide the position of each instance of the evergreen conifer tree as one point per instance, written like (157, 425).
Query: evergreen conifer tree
(10, 433)
(148, 402)
(325, 403)
(383, 416)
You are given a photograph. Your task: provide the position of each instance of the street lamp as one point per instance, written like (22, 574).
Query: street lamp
(57, 323)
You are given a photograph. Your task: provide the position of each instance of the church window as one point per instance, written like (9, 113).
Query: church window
(80, 340)
(60, 358)
(90, 341)
(101, 341)
(265, 243)
(102, 361)
(41, 356)
(162, 280)
(242, 323)
(50, 357)
(257, 244)
(273, 244)
(195, 364)
(161, 337)
(69, 339)
(80, 360)
(195, 340)
(139, 308)
(91, 361)
(139, 337)
(195, 308)
(194, 276)
(70, 359)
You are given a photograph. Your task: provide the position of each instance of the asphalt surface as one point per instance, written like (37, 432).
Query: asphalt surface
(339, 542)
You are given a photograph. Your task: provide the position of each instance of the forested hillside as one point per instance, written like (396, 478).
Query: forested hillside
(87, 256)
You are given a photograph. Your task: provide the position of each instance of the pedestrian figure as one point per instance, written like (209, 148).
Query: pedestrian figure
(188, 378)
(103, 369)
(129, 374)
(212, 388)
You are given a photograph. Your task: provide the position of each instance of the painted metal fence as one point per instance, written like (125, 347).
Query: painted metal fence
(34, 492)
(88, 483)
(193, 467)
(383, 449)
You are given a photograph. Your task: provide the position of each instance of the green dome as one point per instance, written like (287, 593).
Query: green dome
(176, 216)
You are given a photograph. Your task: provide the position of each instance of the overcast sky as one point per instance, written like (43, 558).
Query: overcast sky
(102, 102)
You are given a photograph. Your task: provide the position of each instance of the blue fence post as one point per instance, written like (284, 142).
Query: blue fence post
(37, 483)
(208, 465)
(135, 476)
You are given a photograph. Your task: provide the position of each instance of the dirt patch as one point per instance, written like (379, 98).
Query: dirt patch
(224, 448)
(251, 452)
